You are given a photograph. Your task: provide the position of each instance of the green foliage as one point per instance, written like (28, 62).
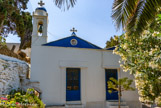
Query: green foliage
(159, 18)
(14, 20)
(21, 99)
(112, 42)
(125, 84)
(2, 41)
(134, 16)
(24, 28)
(141, 56)
(120, 85)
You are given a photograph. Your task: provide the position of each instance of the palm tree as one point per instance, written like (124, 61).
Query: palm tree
(135, 15)
(66, 4)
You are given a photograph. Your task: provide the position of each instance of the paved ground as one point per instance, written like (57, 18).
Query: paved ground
(55, 107)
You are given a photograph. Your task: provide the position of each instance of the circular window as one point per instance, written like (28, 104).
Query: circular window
(73, 42)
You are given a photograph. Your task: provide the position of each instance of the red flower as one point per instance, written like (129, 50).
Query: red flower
(2, 98)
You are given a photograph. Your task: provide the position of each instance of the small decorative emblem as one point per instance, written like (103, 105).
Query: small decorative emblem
(74, 42)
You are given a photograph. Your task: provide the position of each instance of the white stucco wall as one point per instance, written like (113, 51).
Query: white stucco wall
(48, 66)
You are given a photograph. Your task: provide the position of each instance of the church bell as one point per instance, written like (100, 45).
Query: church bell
(40, 28)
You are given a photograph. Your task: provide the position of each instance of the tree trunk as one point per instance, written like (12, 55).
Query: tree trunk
(1, 26)
(23, 42)
(119, 105)
(13, 48)
(20, 47)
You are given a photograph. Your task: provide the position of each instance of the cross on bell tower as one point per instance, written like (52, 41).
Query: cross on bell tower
(41, 3)
(73, 30)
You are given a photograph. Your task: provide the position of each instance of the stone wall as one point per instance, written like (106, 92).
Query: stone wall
(14, 74)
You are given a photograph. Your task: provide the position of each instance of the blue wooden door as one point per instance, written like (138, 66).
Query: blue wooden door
(111, 73)
(72, 84)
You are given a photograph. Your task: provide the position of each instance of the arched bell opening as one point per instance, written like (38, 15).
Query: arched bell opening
(40, 28)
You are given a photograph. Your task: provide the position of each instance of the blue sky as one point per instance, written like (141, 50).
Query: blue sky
(92, 19)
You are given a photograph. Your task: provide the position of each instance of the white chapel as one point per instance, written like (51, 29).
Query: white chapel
(73, 72)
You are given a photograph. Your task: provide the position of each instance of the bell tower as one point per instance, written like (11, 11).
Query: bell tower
(40, 25)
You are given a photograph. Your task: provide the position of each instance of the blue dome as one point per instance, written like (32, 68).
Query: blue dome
(41, 8)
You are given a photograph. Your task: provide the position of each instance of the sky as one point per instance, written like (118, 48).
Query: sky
(91, 18)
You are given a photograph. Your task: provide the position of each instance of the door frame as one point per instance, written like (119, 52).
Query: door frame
(75, 101)
(118, 76)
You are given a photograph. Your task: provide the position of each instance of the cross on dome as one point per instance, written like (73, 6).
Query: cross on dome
(41, 3)
(73, 30)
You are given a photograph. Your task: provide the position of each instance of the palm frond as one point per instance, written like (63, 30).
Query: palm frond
(134, 16)
(65, 4)
(132, 21)
(122, 10)
(148, 15)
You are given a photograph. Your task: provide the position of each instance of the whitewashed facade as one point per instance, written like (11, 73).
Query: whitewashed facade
(50, 63)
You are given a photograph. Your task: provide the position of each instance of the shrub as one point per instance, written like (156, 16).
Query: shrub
(21, 99)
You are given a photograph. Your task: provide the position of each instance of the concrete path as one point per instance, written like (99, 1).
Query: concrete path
(55, 107)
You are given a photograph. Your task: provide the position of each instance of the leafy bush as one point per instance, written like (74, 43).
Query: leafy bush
(21, 99)
(123, 84)
(141, 56)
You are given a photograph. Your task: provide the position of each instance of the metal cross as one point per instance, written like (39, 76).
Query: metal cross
(73, 30)
(41, 3)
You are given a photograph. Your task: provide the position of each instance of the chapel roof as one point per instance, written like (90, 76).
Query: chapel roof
(73, 42)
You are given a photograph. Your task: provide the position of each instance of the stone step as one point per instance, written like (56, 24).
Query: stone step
(55, 107)
(117, 107)
(115, 103)
(73, 103)
(74, 106)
